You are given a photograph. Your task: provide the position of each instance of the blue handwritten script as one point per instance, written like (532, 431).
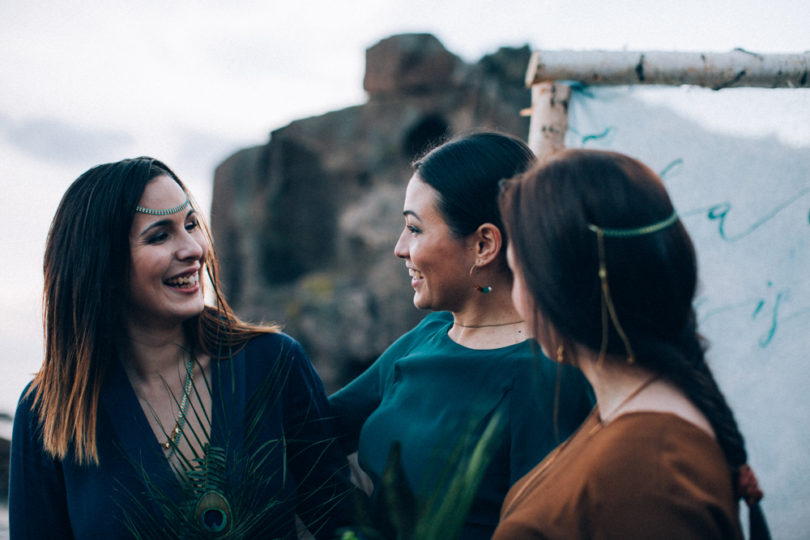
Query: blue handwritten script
(720, 213)
(767, 309)
(672, 169)
(744, 197)
(724, 204)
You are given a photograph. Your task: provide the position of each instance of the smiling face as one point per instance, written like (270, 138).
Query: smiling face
(437, 261)
(167, 253)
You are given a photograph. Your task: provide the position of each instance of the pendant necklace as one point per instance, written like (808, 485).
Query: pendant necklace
(177, 432)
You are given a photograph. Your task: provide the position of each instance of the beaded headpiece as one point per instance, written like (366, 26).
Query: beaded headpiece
(162, 212)
(607, 303)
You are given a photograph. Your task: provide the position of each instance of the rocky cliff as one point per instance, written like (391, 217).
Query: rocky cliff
(5, 454)
(305, 224)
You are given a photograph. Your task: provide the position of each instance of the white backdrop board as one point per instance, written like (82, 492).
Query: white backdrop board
(745, 199)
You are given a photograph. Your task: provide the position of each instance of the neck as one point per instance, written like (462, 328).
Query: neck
(153, 353)
(612, 380)
(488, 322)
(520, 321)
(487, 310)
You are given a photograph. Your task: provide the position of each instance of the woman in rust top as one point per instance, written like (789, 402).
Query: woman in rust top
(605, 276)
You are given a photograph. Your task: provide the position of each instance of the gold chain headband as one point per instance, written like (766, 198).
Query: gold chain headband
(648, 229)
(607, 303)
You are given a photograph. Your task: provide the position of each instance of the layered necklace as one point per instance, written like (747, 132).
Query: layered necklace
(177, 433)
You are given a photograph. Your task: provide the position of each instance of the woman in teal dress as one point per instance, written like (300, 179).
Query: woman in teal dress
(434, 391)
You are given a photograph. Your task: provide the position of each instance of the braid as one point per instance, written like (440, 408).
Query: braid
(686, 367)
(702, 389)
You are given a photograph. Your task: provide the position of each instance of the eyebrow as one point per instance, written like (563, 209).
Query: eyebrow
(164, 222)
(411, 213)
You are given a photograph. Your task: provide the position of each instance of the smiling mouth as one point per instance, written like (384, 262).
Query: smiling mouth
(184, 282)
(416, 274)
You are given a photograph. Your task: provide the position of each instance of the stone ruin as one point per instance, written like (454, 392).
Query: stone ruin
(305, 224)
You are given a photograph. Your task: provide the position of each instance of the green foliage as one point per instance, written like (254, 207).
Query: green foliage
(398, 514)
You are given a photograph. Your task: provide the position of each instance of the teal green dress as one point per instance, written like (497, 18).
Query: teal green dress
(435, 397)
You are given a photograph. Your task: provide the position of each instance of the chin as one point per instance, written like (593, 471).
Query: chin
(191, 312)
(421, 304)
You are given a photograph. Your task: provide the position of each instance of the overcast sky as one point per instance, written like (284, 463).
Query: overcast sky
(191, 82)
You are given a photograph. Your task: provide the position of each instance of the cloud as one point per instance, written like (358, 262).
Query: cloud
(201, 147)
(53, 140)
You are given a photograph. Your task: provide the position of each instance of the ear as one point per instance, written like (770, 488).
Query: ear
(488, 243)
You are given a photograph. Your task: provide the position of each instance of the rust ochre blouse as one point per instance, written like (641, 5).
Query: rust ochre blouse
(644, 475)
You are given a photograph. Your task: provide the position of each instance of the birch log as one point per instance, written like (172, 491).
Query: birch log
(712, 70)
(549, 117)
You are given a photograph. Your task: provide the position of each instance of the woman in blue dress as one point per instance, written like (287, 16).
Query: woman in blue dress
(433, 392)
(155, 415)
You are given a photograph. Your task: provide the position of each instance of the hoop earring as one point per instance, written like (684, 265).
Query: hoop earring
(486, 289)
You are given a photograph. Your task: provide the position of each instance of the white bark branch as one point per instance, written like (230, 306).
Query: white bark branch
(549, 117)
(711, 70)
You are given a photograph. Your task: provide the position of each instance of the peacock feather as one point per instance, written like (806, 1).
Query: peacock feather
(229, 494)
(207, 480)
(236, 490)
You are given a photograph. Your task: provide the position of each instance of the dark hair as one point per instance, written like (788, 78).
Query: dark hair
(86, 271)
(466, 172)
(652, 277)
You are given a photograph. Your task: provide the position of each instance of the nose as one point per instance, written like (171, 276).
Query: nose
(192, 246)
(401, 247)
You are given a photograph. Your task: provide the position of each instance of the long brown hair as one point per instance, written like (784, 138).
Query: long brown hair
(552, 213)
(86, 271)
(652, 277)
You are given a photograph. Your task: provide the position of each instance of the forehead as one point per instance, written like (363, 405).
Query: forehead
(420, 198)
(162, 192)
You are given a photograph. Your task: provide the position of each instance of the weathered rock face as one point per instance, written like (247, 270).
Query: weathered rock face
(5, 455)
(305, 225)
(414, 63)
